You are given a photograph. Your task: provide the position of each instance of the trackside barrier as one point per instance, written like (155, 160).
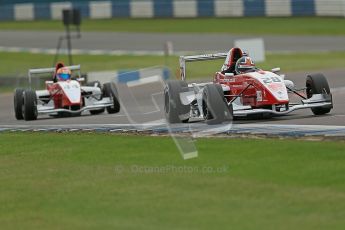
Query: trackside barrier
(51, 9)
(124, 76)
(121, 76)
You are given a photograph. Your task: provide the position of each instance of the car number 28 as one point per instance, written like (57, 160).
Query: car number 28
(268, 80)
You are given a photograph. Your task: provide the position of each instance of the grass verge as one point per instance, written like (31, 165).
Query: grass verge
(282, 26)
(89, 181)
(19, 63)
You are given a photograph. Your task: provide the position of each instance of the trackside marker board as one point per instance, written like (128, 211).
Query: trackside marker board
(255, 47)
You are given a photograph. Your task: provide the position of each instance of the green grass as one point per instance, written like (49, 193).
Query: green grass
(18, 64)
(6, 89)
(69, 181)
(291, 26)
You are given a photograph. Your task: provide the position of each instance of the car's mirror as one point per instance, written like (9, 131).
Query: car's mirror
(229, 74)
(275, 70)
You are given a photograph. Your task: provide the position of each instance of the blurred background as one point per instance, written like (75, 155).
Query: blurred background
(82, 179)
(117, 36)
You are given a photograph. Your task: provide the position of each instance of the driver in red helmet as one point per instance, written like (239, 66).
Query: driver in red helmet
(58, 66)
(245, 65)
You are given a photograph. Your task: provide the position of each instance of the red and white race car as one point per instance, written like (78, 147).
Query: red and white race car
(241, 89)
(65, 95)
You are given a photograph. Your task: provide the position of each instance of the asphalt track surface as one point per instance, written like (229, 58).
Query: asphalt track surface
(138, 107)
(154, 42)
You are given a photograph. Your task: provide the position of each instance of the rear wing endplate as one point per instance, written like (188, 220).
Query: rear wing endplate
(193, 58)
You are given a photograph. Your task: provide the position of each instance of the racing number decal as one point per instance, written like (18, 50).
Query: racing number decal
(268, 80)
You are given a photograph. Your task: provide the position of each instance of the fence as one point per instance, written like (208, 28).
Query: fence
(39, 9)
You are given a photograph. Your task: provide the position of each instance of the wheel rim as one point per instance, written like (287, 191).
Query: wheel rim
(204, 106)
(309, 91)
(112, 100)
(35, 111)
(23, 107)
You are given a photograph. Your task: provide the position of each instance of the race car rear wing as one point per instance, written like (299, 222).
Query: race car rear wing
(202, 57)
(50, 70)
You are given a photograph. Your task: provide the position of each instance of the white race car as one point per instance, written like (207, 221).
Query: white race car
(241, 89)
(65, 95)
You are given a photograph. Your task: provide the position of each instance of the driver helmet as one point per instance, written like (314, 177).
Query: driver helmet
(63, 74)
(244, 64)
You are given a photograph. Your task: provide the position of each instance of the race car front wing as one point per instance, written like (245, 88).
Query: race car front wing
(45, 109)
(317, 100)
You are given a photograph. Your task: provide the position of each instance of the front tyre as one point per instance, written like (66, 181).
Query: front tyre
(29, 106)
(318, 84)
(214, 105)
(18, 103)
(175, 111)
(110, 90)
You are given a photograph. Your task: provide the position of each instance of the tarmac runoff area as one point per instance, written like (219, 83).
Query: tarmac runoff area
(145, 116)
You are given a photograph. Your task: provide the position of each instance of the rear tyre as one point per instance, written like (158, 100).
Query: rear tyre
(175, 111)
(18, 103)
(96, 84)
(215, 108)
(110, 90)
(317, 84)
(29, 106)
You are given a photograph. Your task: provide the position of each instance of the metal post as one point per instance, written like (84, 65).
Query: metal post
(69, 45)
(57, 51)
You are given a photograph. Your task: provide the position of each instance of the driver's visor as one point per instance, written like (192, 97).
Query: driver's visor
(64, 76)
